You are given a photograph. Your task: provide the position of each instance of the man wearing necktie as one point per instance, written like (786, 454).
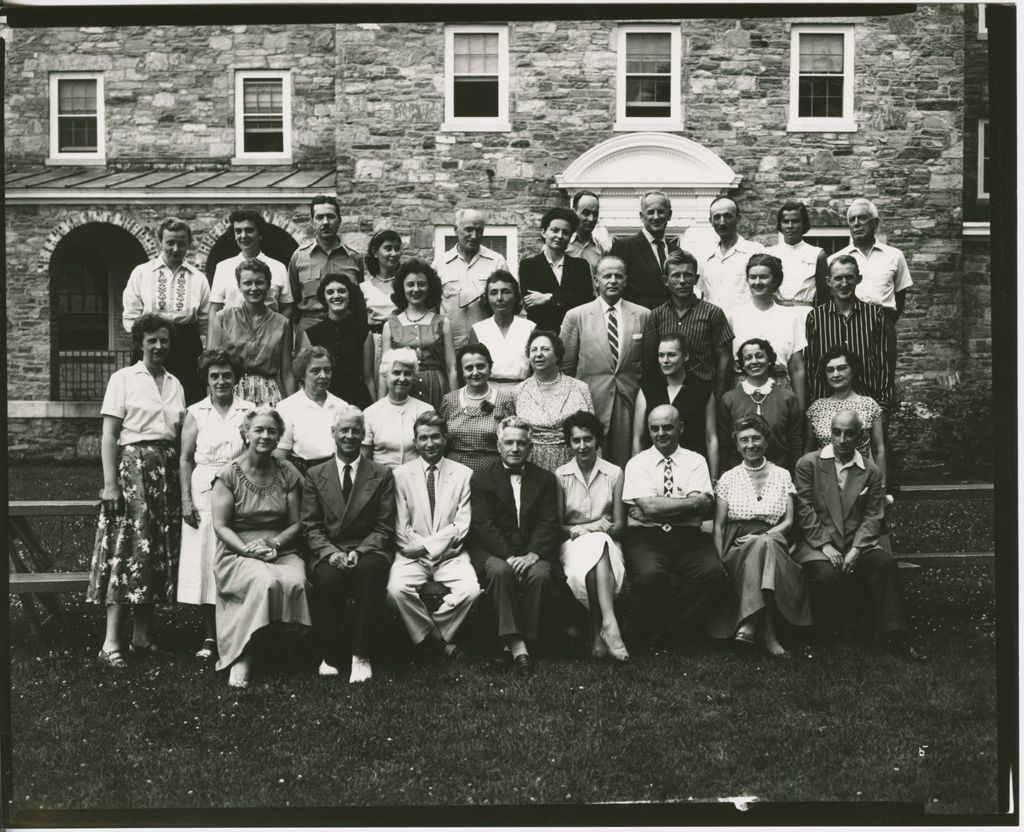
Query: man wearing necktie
(645, 252)
(673, 566)
(515, 539)
(348, 520)
(433, 514)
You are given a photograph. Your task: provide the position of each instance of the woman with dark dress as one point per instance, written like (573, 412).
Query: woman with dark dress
(345, 334)
(676, 388)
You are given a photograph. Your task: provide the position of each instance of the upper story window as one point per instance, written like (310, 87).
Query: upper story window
(476, 78)
(648, 78)
(982, 23)
(263, 116)
(821, 79)
(76, 117)
(983, 159)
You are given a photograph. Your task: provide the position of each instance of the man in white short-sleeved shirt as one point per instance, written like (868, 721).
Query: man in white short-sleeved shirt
(723, 268)
(248, 227)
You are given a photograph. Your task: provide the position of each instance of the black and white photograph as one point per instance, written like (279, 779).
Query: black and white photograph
(573, 414)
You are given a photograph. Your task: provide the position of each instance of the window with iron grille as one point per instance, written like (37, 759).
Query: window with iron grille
(76, 116)
(263, 115)
(821, 79)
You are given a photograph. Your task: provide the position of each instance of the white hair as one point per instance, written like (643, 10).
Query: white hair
(872, 208)
(347, 411)
(515, 423)
(848, 412)
(400, 355)
(461, 213)
(662, 194)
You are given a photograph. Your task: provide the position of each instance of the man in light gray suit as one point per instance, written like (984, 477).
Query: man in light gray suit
(604, 347)
(433, 514)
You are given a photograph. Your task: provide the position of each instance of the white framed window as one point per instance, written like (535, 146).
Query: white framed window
(984, 159)
(503, 239)
(821, 79)
(77, 132)
(982, 23)
(476, 79)
(647, 78)
(263, 116)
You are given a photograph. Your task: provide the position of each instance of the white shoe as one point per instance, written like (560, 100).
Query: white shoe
(327, 670)
(361, 670)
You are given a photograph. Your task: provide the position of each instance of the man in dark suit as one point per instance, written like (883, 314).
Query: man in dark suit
(348, 520)
(515, 533)
(554, 282)
(644, 253)
(839, 508)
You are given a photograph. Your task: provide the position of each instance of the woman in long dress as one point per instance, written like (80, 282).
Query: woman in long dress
(210, 438)
(753, 515)
(261, 579)
(593, 518)
(505, 333)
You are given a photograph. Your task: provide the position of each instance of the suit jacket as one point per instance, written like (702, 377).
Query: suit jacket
(366, 523)
(852, 518)
(443, 534)
(589, 357)
(497, 529)
(643, 272)
(535, 274)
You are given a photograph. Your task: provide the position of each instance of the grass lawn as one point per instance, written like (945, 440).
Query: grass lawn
(845, 724)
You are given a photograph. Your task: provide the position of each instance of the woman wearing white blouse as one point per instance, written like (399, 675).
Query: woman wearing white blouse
(505, 333)
(805, 266)
(388, 423)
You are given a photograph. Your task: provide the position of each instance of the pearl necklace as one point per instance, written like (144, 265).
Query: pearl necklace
(748, 469)
(759, 467)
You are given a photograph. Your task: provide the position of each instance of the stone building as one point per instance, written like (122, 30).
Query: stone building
(108, 130)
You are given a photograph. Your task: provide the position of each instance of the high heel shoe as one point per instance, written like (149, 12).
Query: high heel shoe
(616, 648)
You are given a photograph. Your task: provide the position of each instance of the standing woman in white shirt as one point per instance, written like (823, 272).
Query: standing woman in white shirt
(504, 333)
(138, 536)
(177, 290)
(804, 267)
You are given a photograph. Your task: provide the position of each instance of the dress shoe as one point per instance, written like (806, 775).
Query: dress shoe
(615, 647)
(523, 664)
(454, 653)
(905, 650)
(327, 670)
(361, 671)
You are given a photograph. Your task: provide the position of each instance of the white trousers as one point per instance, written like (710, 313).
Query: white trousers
(408, 575)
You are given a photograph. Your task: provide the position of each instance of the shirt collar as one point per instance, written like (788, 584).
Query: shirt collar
(577, 472)
(547, 256)
(161, 264)
(765, 388)
(576, 238)
(617, 306)
(512, 473)
(649, 236)
(316, 245)
(426, 466)
(342, 463)
(828, 452)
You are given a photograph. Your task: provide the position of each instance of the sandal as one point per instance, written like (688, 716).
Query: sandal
(744, 638)
(208, 650)
(113, 659)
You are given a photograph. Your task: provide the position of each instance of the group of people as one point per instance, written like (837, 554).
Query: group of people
(367, 427)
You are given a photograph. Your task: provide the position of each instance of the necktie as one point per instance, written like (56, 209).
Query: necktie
(346, 483)
(613, 334)
(660, 245)
(430, 489)
(669, 488)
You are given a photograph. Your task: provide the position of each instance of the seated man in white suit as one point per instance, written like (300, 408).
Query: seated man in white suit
(432, 520)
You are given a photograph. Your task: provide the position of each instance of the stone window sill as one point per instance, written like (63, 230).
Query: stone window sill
(822, 126)
(84, 161)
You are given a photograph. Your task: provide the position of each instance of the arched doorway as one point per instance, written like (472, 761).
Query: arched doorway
(274, 242)
(88, 270)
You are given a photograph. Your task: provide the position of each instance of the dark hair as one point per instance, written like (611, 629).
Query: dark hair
(558, 213)
(502, 276)
(844, 260)
(370, 261)
(472, 349)
(303, 358)
(680, 339)
(415, 266)
(173, 224)
(769, 351)
(324, 199)
(584, 421)
(209, 358)
(248, 215)
(793, 205)
(773, 263)
(580, 194)
(841, 351)
(753, 421)
(434, 420)
(678, 258)
(253, 264)
(356, 298)
(556, 342)
(719, 199)
(150, 322)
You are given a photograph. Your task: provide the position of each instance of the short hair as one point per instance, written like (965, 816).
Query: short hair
(173, 224)
(681, 341)
(473, 349)
(248, 215)
(844, 260)
(324, 199)
(841, 351)
(793, 205)
(584, 421)
(253, 264)
(752, 421)
(460, 214)
(604, 257)
(558, 213)
(580, 194)
(557, 344)
(370, 261)
(764, 344)
(345, 411)
(502, 276)
(399, 355)
(514, 423)
(416, 266)
(852, 412)
(678, 257)
(263, 410)
(661, 194)
(356, 298)
(432, 419)
(711, 207)
(773, 263)
(303, 359)
(211, 358)
(150, 322)
(872, 208)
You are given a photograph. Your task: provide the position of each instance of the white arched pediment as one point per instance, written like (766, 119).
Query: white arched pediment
(622, 168)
